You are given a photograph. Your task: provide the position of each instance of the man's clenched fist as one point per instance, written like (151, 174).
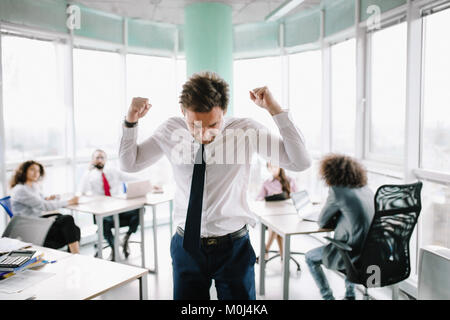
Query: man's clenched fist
(138, 109)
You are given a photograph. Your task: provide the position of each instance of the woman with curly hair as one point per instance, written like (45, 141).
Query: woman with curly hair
(349, 210)
(27, 200)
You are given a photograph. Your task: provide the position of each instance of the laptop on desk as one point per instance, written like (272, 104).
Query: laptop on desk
(136, 189)
(306, 210)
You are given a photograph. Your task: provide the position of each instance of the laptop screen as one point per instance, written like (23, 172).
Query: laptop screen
(300, 199)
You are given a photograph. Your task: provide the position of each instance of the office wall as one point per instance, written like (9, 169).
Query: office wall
(302, 29)
(152, 35)
(44, 14)
(255, 37)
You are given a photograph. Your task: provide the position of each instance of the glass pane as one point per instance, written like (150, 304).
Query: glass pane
(435, 215)
(343, 84)
(153, 78)
(57, 180)
(305, 95)
(387, 128)
(99, 109)
(436, 113)
(250, 74)
(181, 75)
(33, 101)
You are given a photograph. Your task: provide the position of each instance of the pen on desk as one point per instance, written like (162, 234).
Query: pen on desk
(46, 261)
(31, 298)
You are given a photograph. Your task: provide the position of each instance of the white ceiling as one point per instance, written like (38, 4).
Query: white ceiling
(172, 11)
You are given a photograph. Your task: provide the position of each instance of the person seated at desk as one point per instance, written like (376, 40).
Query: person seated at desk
(27, 200)
(277, 185)
(349, 210)
(98, 180)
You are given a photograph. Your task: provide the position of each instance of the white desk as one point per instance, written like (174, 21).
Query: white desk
(272, 208)
(103, 206)
(281, 217)
(78, 277)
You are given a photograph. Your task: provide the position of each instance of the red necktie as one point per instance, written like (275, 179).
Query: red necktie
(106, 185)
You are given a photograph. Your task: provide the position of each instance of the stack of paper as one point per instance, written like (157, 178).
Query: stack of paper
(8, 244)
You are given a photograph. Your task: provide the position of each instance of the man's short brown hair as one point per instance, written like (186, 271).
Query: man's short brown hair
(343, 171)
(204, 91)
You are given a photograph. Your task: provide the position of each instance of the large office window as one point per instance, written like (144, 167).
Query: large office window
(254, 73)
(305, 95)
(98, 94)
(388, 92)
(153, 78)
(435, 217)
(343, 95)
(435, 144)
(33, 99)
(181, 75)
(436, 112)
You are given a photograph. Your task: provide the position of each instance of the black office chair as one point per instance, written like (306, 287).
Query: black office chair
(397, 208)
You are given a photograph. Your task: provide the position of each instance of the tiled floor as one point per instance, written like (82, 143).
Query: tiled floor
(302, 286)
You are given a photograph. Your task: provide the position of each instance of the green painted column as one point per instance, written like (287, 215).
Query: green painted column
(208, 41)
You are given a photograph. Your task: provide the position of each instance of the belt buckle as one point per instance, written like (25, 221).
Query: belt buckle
(211, 241)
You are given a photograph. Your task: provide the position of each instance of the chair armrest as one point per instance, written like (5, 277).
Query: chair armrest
(339, 244)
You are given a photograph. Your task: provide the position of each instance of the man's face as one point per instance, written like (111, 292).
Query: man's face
(99, 159)
(204, 126)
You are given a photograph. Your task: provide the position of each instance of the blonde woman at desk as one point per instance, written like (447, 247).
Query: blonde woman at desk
(282, 185)
(27, 200)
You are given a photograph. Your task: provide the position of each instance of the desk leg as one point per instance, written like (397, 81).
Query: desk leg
(155, 244)
(143, 288)
(116, 238)
(171, 217)
(262, 261)
(99, 221)
(286, 260)
(141, 223)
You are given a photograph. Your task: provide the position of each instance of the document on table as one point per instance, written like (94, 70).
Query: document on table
(8, 244)
(23, 280)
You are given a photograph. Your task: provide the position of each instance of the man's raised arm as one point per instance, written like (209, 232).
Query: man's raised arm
(135, 157)
(291, 154)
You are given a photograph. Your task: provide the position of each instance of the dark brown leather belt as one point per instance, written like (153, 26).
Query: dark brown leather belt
(213, 241)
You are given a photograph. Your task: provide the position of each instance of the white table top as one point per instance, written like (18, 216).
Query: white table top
(77, 277)
(291, 224)
(157, 198)
(106, 206)
(272, 208)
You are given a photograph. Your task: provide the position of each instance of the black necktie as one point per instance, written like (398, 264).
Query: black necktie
(191, 241)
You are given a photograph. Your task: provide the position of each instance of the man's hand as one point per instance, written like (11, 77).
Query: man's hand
(52, 197)
(263, 98)
(138, 109)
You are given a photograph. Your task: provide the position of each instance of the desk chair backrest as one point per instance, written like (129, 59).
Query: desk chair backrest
(397, 208)
(6, 204)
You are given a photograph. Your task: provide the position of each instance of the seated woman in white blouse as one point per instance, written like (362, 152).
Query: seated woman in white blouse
(27, 200)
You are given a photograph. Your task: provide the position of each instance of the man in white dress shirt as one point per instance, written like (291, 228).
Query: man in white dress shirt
(108, 181)
(211, 173)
